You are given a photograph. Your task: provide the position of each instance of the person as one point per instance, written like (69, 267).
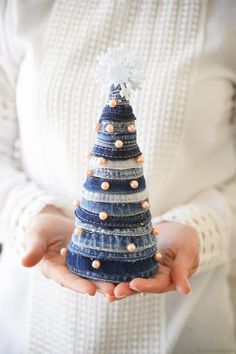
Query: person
(49, 102)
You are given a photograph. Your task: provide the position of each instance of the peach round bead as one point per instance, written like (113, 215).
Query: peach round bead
(105, 186)
(112, 103)
(134, 184)
(89, 172)
(145, 205)
(103, 215)
(131, 247)
(110, 128)
(119, 144)
(96, 264)
(155, 231)
(63, 251)
(102, 161)
(78, 231)
(140, 159)
(158, 256)
(76, 203)
(97, 126)
(131, 128)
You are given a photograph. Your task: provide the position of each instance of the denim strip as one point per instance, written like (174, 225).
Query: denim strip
(118, 164)
(131, 173)
(115, 209)
(119, 113)
(113, 242)
(115, 256)
(115, 272)
(124, 232)
(114, 198)
(93, 184)
(113, 221)
(115, 153)
(119, 127)
(111, 144)
(112, 137)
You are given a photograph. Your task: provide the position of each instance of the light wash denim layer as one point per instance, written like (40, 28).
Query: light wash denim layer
(122, 209)
(113, 243)
(115, 256)
(124, 232)
(119, 164)
(114, 198)
(119, 127)
(131, 173)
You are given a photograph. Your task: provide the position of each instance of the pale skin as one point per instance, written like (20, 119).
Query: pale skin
(51, 230)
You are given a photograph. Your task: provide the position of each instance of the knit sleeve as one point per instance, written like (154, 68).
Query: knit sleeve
(20, 198)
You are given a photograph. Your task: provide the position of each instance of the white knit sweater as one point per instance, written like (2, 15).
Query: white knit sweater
(185, 131)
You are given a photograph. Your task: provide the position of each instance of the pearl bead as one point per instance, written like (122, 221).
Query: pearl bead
(103, 215)
(96, 264)
(119, 144)
(158, 256)
(89, 172)
(131, 247)
(131, 128)
(105, 186)
(140, 159)
(88, 155)
(155, 231)
(76, 203)
(97, 126)
(63, 251)
(145, 205)
(102, 161)
(112, 103)
(110, 128)
(134, 184)
(78, 231)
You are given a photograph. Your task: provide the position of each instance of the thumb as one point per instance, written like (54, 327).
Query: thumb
(180, 271)
(35, 250)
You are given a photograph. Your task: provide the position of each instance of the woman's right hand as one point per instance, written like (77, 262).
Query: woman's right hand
(49, 232)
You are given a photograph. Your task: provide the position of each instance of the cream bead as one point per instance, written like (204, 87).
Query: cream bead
(76, 203)
(134, 184)
(112, 103)
(155, 231)
(140, 159)
(102, 161)
(97, 126)
(103, 215)
(110, 128)
(63, 251)
(119, 144)
(96, 264)
(89, 172)
(131, 128)
(105, 186)
(145, 205)
(78, 231)
(158, 256)
(131, 247)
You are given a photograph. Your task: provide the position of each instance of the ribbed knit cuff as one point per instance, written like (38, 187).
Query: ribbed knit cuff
(210, 228)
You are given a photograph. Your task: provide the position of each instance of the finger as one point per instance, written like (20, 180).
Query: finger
(180, 272)
(161, 283)
(104, 287)
(65, 278)
(122, 290)
(36, 249)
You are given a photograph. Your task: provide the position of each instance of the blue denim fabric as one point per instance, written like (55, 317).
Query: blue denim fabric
(116, 256)
(115, 198)
(115, 153)
(93, 184)
(116, 209)
(131, 173)
(119, 127)
(114, 221)
(111, 271)
(119, 113)
(110, 139)
(114, 242)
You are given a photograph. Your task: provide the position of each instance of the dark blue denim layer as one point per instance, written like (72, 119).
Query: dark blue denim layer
(112, 137)
(113, 221)
(116, 209)
(129, 173)
(120, 127)
(115, 153)
(119, 113)
(93, 184)
(116, 256)
(113, 242)
(111, 271)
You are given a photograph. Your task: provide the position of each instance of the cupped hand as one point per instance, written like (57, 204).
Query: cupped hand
(179, 246)
(49, 232)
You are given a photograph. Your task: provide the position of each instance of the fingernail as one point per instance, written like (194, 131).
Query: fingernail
(120, 297)
(180, 289)
(134, 288)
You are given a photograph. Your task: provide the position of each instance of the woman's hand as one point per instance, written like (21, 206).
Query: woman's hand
(49, 232)
(179, 247)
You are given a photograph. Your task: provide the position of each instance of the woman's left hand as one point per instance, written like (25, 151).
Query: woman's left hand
(179, 246)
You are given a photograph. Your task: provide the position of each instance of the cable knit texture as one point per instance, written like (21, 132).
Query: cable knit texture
(54, 55)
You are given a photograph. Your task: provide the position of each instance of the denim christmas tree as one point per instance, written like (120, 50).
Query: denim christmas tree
(114, 239)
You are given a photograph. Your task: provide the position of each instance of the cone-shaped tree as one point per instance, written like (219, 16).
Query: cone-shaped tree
(114, 239)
